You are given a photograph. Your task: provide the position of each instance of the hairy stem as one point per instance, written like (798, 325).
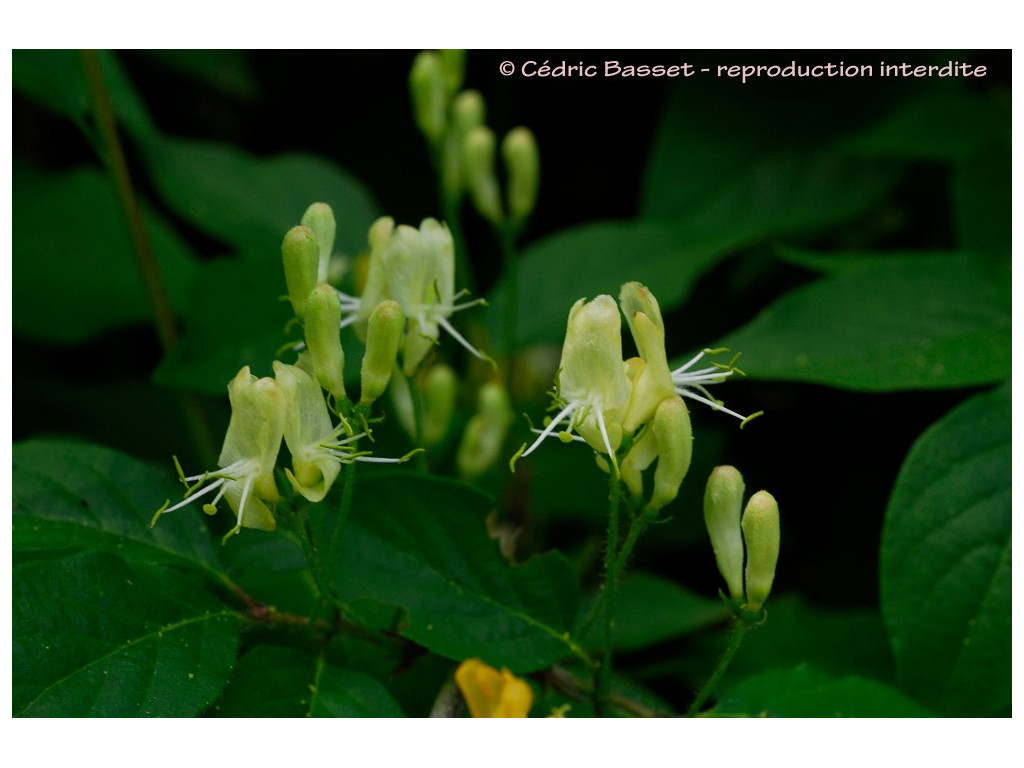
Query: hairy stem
(611, 565)
(739, 631)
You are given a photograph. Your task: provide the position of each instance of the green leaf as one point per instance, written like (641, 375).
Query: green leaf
(235, 318)
(420, 543)
(807, 692)
(944, 125)
(789, 192)
(227, 71)
(596, 258)
(71, 495)
(650, 610)
(270, 681)
(73, 261)
(251, 202)
(94, 636)
(982, 204)
(910, 323)
(56, 80)
(945, 561)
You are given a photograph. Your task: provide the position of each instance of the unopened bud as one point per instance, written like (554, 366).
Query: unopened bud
(522, 161)
(723, 501)
(486, 431)
(427, 88)
(674, 434)
(440, 388)
(300, 254)
(320, 219)
(323, 321)
(468, 111)
(453, 69)
(761, 534)
(478, 149)
(383, 335)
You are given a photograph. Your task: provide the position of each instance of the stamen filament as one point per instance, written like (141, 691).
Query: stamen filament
(189, 499)
(713, 403)
(550, 428)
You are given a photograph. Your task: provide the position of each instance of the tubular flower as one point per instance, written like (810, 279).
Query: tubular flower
(652, 381)
(246, 474)
(593, 389)
(416, 268)
(318, 447)
(490, 693)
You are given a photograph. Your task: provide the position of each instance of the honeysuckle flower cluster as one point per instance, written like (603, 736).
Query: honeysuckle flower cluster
(291, 405)
(415, 268)
(608, 402)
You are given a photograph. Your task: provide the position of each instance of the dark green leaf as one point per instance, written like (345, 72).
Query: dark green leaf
(226, 70)
(946, 125)
(981, 196)
(597, 258)
(251, 202)
(235, 318)
(945, 561)
(56, 80)
(285, 682)
(790, 192)
(650, 609)
(96, 637)
(904, 324)
(421, 543)
(73, 261)
(829, 261)
(69, 495)
(808, 692)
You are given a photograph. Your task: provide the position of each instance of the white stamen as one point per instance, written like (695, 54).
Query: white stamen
(458, 337)
(713, 403)
(550, 428)
(194, 496)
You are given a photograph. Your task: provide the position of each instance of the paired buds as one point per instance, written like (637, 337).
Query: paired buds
(755, 536)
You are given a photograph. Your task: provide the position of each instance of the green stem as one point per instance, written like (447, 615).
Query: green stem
(510, 262)
(343, 511)
(636, 528)
(163, 316)
(611, 564)
(735, 640)
(417, 416)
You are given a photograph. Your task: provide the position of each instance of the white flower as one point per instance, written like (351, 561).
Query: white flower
(416, 268)
(246, 474)
(592, 385)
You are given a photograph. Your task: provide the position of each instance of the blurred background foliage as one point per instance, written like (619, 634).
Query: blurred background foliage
(850, 236)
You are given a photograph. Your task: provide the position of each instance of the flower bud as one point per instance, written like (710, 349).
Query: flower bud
(486, 431)
(383, 335)
(468, 111)
(440, 388)
(478, 149)
(671, 427)
(323, 320)
(723, 501)
(453, 69)
(320, 219)
(427, 88)
(300, 254)
(522, 161)
(653, 381)
(490, 693)
(761, 534)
